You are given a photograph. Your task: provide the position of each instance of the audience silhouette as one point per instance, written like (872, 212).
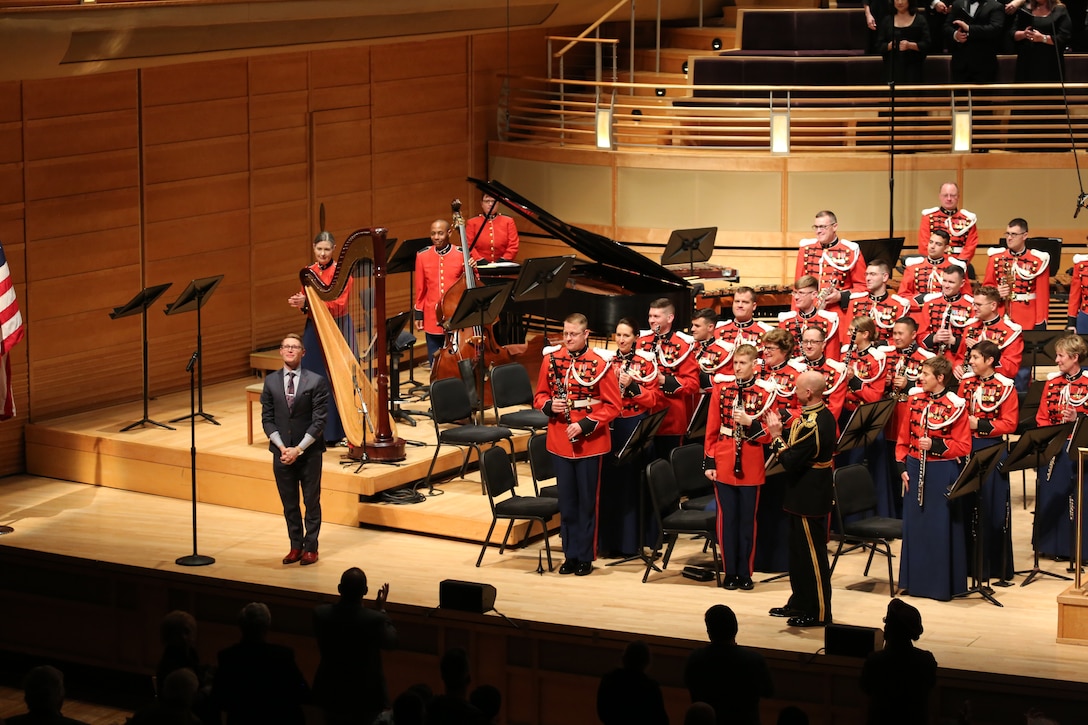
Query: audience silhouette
(174, 705)
(899, 678)
(178, 635)
(627, 695)
(349, 685)
(452, 706)
(258, 682)
(728, 677)
(43, 692)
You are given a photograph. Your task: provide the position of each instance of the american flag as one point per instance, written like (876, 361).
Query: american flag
(11, 333)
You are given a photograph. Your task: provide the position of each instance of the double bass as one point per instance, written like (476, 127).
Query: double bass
(461, 350)
(364, 408)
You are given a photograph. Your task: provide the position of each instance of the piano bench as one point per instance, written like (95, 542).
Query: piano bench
(253, 395)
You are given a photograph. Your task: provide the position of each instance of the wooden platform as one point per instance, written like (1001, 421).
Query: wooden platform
(90, 448)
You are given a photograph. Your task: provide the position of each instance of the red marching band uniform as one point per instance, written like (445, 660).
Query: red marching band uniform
(1055, 509)
(1001, 331)
(784, 379)
(906, 362)
(435, 273)
(961, 228)
(713, 357)
(497, 242)
(883, 310)
(797, 322)
(868, 382)
(733, 334)
(940, 312)
(922, 276)
(675, 354)
(840, 265)
(736, 490)
(592, 392)
(1029, 272)
(834, 373)
(1078, 294)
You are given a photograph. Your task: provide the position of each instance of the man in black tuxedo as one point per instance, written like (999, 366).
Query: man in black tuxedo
(350, 685)
(293, 409)
(973, 36)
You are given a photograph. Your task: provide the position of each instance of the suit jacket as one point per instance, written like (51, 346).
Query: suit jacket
(307, 415)
(259, 683)
(349, 677)
(975, 61)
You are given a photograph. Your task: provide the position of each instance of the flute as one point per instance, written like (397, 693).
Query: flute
(922, 455)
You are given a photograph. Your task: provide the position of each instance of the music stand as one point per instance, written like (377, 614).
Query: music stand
(139, 304)
(404, 260)
(978, 468)
(193, 297)
(697, 424)
(886, 249)
(394, 326)
(689, 245)
(484, 304)
(1028, 453)
(542, 278)
(633, 450)
(865, 424)
(1039, 344)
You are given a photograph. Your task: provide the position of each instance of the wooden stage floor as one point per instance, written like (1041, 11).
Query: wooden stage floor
(87, 520)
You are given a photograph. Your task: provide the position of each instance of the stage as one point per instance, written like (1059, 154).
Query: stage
(122, 499)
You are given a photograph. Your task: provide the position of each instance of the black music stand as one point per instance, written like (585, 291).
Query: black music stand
(865, 424)
(193, 297)
(404, 260)
(634, 450)
(394, 326)
(697, 424)
(1030, 452)
(480, 307)
(193, 559)
(886, 249)
(689, 245)
(139, 304)
(543, 278)
(971, 479)
(1039, 345)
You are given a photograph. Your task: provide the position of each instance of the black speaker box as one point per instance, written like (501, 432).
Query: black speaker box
(466, 596)
(848, 640)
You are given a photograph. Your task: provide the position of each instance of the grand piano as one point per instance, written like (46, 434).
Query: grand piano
(614, 283)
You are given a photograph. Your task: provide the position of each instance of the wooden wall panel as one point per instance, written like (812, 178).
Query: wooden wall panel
(11, 102)
(79, 95)
(11, 178)
(71, 135)
(112, 248)
(82, 174)
(196, 159)
(204, 234)
(282, 222)
(281, 146)
(194, 82)
(181, 199)
(69, 216)
(187, 122)
(272, 75)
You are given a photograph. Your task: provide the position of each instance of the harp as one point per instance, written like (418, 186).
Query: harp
(363, 406)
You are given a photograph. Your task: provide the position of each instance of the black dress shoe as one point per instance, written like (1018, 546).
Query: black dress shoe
(585, 568)
(569, 566)
(785, 612)
(731, 583)
(746, 583)
(804, 620)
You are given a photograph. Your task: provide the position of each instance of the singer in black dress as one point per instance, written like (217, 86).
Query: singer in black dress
(903, 40)
(1040, 42)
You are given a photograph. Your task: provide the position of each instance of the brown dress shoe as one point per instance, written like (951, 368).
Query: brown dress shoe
(309, 557)
(292, 556)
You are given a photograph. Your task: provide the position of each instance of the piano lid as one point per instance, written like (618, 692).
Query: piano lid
(594, 246)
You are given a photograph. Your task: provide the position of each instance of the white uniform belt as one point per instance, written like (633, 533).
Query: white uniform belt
(584, 403)
(725, 431)
(1023, 297)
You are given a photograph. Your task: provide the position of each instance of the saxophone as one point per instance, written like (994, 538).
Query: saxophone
(1010, 280)
(900, 368)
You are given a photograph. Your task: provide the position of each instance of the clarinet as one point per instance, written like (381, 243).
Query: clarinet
(943, 347)
(738, 438)
(851, 348)
(922, 455)
(561, 388)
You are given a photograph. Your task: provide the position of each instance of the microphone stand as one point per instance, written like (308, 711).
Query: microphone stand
(193, 559)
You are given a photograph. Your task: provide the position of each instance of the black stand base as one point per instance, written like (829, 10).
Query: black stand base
(984, 590)
(192, 416)
(644, 559)
(194, 560)
(1035, 571)
(147, 421)
(783, 575)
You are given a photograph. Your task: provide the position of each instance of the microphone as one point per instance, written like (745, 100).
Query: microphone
(1082, 203)
(192, 360)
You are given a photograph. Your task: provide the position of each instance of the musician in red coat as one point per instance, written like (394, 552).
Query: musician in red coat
(945, 314)
(1022, 277)
(1078, 296)
(678, 373)
(922, 275)
(837, 265)
(989, 324)
(733, 429)
(993, 411)
(438, 267)
(834, 372)
(866, 371)
(743, 329)
(578, 391)
(618, 509)
(877, 303)
(806, 314)
(492, 237)
(933, 436)
(959, 223)
(1065, 398)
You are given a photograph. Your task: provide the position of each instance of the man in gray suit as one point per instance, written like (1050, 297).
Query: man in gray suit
(293, 410)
